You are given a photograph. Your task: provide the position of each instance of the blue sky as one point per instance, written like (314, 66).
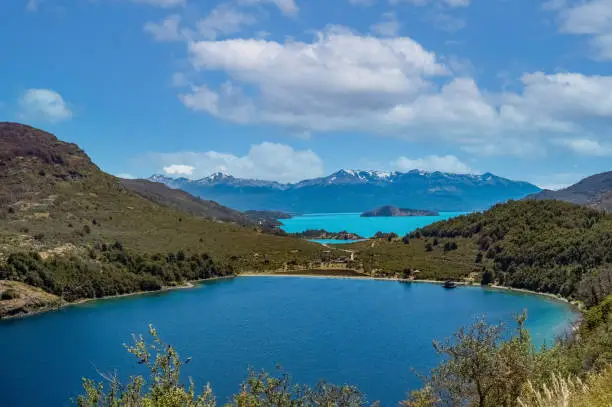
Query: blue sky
(293, 89)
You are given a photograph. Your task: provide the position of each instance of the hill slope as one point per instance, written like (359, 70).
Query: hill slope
(594, 191)
(547, 246)
(358, 191)
(51, 190)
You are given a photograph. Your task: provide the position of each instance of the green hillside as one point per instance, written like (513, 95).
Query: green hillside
(57, 204)
(547, 246)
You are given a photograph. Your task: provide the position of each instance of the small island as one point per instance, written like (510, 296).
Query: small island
(324, 234)
(393, 211)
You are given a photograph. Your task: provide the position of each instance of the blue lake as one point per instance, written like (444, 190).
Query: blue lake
(365, 227)
(364, 332)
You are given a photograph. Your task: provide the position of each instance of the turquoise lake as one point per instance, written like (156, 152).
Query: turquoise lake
(365, 227)
(364, 332)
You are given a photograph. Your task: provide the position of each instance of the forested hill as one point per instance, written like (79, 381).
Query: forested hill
(547, 246)
(75, 231)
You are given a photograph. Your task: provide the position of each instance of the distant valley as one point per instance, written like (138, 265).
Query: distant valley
(357, 191)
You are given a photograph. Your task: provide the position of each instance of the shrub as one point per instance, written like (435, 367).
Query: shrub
(9, 294)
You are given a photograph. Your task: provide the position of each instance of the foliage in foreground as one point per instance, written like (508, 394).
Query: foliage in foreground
(166, 390)
(570, 392)
(481, 366)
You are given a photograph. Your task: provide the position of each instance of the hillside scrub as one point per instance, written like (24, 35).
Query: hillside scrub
(544, 246)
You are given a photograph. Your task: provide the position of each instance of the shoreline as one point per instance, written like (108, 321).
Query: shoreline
(64, 304)
(576, 306)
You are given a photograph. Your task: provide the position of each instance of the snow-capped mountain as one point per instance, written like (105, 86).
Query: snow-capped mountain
(356, 191)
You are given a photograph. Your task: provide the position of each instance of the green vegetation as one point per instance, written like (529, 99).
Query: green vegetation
(109, 270)
(546, 246)
(9, 294)
(166, 390)
(58, 212)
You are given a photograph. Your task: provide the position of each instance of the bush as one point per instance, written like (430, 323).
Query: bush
(9, 294)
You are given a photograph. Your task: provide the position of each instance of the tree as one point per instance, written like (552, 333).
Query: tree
(480, 368)
(487, 277)
(165, 389)
(428, 247)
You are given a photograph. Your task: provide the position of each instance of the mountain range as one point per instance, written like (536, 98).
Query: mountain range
(357, 191)
(594, 191)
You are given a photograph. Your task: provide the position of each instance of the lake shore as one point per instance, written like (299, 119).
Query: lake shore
(335, 274)
(575, 304)
(65, 304)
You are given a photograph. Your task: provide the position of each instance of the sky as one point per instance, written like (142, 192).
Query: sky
(291, 89)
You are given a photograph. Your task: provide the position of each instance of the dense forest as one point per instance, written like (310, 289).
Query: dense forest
(545, 246)
(109, 270)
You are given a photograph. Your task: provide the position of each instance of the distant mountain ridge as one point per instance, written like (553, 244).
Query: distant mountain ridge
(594, 191)
(357, 191)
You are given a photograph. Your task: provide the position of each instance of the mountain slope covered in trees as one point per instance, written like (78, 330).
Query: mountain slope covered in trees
(547, 246)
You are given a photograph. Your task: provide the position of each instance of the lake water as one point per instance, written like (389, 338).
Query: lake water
(365, 227)
(363, 332)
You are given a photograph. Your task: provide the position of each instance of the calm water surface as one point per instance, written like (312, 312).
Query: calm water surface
(366, 227)
(367, 333)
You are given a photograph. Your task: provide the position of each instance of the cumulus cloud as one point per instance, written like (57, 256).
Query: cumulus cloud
(588, 147)
(162, 3)
(288, 7)
(388, 27)
(265, 161)
(179, 169)
(447, 163)
(44, 104)
(223, 20)
(166, 30)
(590, 18)
(319, 85)
(344, 81)
(125, 175)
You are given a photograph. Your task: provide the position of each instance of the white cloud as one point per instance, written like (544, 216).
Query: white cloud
(44, 104)
(288, 7)
(588, 147)
(125, 175)
(335, 77)
(447, 163)
(162, 3)
(344, 81)
(388, 27)
(179, 169)
(166, 30)
(591, 18)
(265, 161)
(223, 20)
